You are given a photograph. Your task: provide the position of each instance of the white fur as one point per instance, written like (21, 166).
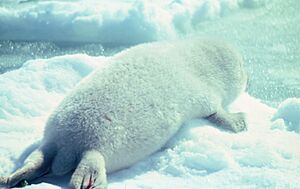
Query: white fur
(133, 107)
(123, 113)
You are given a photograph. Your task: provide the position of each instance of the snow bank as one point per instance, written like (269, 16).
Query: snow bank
(288, 115)
(111, 22)
(199, 156)
(44, 80)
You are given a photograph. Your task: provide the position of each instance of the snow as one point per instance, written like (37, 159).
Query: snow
(289, 113)
(110, 22)
(200, 155)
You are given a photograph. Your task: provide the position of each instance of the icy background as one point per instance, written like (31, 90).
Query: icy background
(47, 47)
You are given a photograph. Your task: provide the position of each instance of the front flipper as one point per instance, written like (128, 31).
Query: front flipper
(36, 165)
(230, 121)
(90, 172)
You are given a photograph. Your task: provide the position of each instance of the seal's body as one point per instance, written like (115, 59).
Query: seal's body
(122, 113)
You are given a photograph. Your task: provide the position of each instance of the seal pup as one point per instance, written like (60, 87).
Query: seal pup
(122, 113)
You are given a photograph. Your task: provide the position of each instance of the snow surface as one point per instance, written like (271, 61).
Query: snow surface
(289, 112)
(200, 156)
(113, 22)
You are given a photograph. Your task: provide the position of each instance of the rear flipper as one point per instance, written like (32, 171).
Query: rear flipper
(230, 121)
(3, 182)
(36, 165)
(90, 172)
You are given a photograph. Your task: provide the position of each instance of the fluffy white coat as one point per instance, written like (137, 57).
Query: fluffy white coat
(125, 112)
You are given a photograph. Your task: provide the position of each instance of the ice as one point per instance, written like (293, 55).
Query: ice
(200, 155)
